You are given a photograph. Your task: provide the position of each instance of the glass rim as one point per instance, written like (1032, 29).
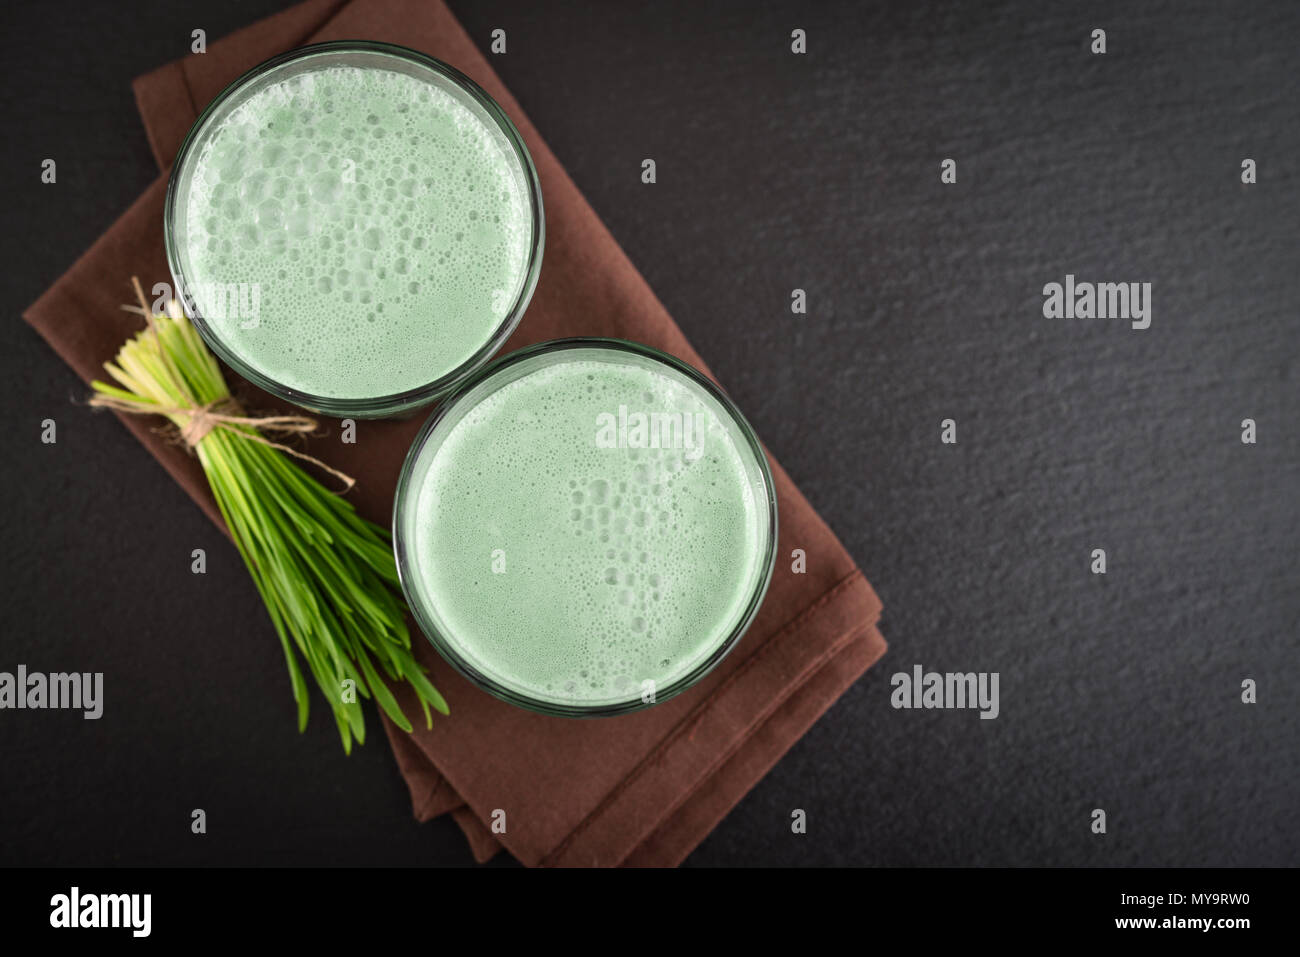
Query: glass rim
(405, 562)
(368, 406)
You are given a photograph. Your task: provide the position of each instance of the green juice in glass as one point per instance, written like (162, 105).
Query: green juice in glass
(371, 216)
(558, 557)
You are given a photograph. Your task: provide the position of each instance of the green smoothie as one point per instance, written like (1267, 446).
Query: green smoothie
(370, 220)
(584, 526)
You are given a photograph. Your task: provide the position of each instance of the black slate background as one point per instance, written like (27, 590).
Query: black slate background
(775, 171)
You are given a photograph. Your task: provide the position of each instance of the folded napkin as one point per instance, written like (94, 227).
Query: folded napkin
(640, 789)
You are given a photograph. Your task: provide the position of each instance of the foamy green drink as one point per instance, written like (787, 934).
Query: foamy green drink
(354, 225)
(587, 530)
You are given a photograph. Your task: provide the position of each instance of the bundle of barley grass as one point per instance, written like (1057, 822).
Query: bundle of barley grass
(327, 575)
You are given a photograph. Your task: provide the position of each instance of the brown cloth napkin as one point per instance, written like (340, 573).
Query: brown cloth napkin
(642, 789)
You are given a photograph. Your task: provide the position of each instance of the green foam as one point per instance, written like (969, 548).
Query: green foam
(384, 221)
(571, 573)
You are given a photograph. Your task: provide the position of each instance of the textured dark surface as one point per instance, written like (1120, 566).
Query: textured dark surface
(776, 171)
